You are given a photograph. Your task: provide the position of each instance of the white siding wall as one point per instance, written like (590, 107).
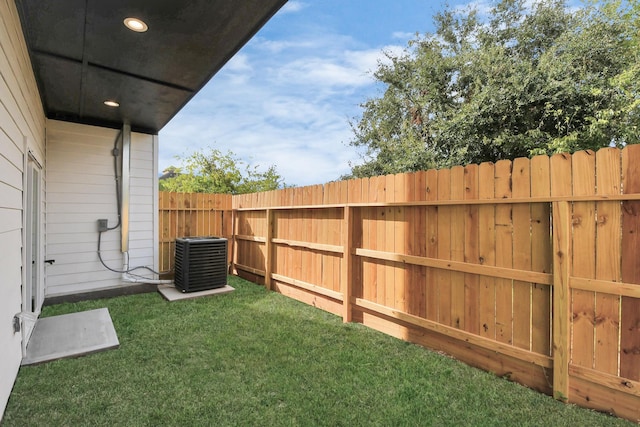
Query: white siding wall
(21, 120)
(143, 208)
(81, 190)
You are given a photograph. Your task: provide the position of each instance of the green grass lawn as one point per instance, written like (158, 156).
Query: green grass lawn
(257, 358)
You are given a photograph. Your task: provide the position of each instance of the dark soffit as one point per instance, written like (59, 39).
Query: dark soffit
(82, 54)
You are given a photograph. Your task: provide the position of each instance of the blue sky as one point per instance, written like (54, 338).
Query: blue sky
(287, 97)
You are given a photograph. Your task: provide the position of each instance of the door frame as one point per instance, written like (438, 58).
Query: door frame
(33, 291)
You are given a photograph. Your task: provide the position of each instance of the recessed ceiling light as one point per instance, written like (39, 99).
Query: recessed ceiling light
(135, 24)
(110, 103)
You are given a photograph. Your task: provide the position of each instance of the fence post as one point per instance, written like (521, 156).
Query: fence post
(232, 242)
(346, 276)
(268, 249)
(561, 298)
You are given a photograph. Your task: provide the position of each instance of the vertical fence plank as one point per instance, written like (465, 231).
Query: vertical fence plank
(268, 263)
(541, 258)
(504, 253)
(298, 233)
(279, 251)
(369, 241)
(390, 229)
(316, 256)
(337, 232)
(487, 250)
(630, 307)
(444, 247)
(381, 237)
(562, 239)
(608, 227)
(584, 257)
(521, 189)
(233, 242)
(418, 247)
(471, 250)
(305, 235)
(346, 278)
(457, 247)
(561, 299)
(357, 232)
(164, 225)
(400, 241)
(431, 192)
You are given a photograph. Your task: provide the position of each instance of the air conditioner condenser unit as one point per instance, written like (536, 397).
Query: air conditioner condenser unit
(201, 263)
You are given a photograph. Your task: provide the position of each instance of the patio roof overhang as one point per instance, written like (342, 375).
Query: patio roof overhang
(83, 55)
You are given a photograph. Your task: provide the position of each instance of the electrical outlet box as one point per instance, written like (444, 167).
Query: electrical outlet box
(102, 225)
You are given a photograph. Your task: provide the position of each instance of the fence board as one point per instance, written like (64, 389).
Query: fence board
(381, 238)
(418, 246)
(487, 237)
(457, 247)
(401, 239)
(630, 307)
(608, 227)
(357, 231)
(431, 291)
(471, 250)
(390, 232)
(584, 250)
(504, 253)
(540, 256)
(444, 247)
(521, 188)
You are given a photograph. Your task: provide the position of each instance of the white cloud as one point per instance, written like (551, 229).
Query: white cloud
(293, 6)
(282, 101)
(278, 46)
(483, 7)
(403, 35)
(239, 63)
(319, 72)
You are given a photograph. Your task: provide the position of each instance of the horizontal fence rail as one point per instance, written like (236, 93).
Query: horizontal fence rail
(525, 268)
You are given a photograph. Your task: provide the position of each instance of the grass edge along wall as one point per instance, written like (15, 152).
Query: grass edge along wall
(525, 268)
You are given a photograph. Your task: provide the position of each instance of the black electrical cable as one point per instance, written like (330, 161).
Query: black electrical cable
(121, 271)
(114, 152)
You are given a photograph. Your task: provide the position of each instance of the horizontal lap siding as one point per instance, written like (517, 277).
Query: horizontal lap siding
(142, 203)
(21, 117)
(81, 190)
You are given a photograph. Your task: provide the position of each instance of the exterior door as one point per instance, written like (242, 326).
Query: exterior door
(33, 289)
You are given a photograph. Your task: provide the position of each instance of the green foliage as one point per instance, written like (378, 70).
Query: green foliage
(216, 172)
(521, 82)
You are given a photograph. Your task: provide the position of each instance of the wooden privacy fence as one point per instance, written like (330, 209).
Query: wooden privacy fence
(528, 269)
(188, 215)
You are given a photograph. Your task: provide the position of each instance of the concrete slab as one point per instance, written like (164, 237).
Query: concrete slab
(170, 293)
(71, 335)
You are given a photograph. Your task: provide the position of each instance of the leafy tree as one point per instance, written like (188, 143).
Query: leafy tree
(523, 81)
(217, 172)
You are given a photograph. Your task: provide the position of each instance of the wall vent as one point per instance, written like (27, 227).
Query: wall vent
(201, 263)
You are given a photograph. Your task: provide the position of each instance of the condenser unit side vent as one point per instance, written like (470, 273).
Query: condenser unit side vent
(201, 263)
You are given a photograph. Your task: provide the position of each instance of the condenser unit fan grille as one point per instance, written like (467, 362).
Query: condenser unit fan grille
(201, 263)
